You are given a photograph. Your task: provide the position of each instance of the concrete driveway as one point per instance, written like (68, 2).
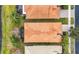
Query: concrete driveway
(63, 13)
(64, 27)
(43, 49)
(72, 13)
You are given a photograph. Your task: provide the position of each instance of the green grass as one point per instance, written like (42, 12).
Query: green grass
(63, 20)
(72, 20)
(65, 43)
(8, 24)
(72, 42)
(72, 45)
(64, 7)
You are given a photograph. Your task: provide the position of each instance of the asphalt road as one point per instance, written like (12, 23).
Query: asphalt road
(77, 23)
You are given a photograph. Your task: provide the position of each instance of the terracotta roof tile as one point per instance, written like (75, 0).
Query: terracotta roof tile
(42, 32)
(42, 11)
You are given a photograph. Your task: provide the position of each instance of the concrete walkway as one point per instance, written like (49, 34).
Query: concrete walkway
(69, 25)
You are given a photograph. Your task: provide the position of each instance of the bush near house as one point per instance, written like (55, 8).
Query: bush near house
(42, 43)
(64, 7)
(72, 6)
(63, 20)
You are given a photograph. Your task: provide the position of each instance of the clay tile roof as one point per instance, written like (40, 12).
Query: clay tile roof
(42, 11)
(42, 32)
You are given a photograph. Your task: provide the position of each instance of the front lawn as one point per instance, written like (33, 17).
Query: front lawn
(72, 20)
(65, 43)
(72, 45)
(72, 41)
(64, 20)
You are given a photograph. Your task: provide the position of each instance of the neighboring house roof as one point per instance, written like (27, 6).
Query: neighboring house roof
(42, 32)
(55, 49)
(42, 11)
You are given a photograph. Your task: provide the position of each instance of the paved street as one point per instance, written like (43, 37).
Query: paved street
(77, 24)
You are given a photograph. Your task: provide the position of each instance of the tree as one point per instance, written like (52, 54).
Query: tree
(18, 19)
(74, 32)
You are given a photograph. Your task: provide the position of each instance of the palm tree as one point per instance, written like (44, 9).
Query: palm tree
(74, 32)
(17, 19)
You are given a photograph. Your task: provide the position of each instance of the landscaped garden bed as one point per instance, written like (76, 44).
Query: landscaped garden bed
(42, 43)
(10, 21)
(64, 7)
(63, 20)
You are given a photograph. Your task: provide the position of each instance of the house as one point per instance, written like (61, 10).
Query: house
(42, 32)
(42, 11)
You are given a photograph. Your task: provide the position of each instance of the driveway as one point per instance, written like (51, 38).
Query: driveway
(63, 13)
(43, 49)
(64, 27)
(72, 13)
